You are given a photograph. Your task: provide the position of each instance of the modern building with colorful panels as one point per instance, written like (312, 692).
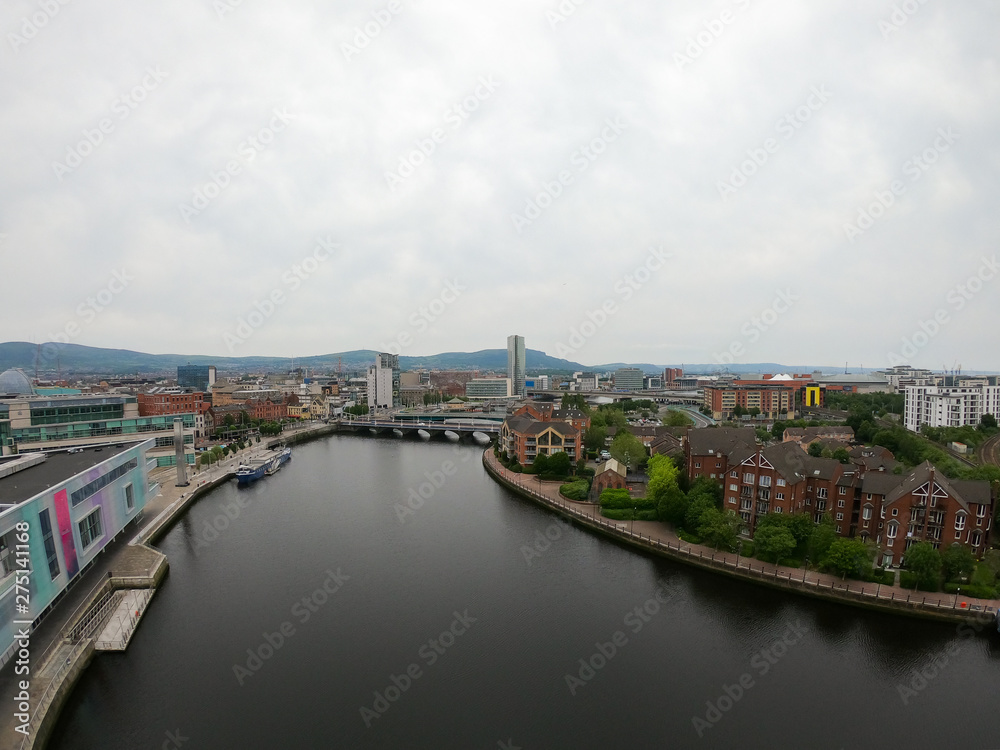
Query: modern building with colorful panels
(74, 505)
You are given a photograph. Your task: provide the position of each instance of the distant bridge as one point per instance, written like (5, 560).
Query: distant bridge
(481, 430)
(659, 396)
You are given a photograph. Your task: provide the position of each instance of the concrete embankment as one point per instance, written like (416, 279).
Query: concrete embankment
(887, 599)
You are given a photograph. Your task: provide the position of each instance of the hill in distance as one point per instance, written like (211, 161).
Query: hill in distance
(76, 359)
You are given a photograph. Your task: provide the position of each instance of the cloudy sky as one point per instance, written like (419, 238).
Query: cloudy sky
(749, 181)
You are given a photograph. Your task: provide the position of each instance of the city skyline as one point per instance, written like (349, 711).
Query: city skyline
(686, 197)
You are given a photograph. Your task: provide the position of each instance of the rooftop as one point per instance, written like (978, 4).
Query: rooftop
(56, 469)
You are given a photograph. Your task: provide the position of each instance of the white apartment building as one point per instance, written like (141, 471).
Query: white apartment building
(949, 406)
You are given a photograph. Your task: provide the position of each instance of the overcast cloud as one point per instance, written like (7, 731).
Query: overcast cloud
(633, 115)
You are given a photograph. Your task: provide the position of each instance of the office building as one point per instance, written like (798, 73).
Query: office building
(383, 382)
(196, 377)
(486, 389)
(628, 379)
(515, 364)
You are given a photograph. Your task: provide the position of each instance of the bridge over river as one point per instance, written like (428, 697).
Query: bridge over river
(480, 430)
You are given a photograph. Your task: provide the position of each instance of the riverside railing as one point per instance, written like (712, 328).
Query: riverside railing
(764, 573)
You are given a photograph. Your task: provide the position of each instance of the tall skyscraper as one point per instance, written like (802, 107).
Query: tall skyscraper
(383, 382)
(515, 364)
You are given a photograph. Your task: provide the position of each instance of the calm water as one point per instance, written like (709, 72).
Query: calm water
(798, 673)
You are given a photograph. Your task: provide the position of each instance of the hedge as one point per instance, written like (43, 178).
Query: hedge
(971, 590)
(908, 580)
(578, 490)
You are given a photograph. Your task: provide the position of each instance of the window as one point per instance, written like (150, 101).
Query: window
(732, 500)
(765, 481)
(6, 556)
(959, 522)
(734, 474)
(49, 543)
(895, 511)
(129, 498)
(838, 528)
(842, 490)
(866, 512)
(697, 464)
(779, 495)
(748, 478)
(840, 516)
(734, 487)
(980, 511)
(90, 528)
(890, 533)
(821, 493)
(781, 482)
(778, 509)
(102, 481)
(840, 503)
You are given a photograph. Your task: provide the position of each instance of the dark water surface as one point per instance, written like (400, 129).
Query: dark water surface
(779, 671)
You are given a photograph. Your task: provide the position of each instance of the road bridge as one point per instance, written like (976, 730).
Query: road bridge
(480, 430)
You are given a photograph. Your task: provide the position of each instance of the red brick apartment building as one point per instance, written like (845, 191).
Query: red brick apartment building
(156, 404)
(773, 402)
(863, 499)
(533, 429)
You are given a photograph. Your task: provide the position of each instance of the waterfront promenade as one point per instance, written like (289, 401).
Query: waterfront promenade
(659, 538)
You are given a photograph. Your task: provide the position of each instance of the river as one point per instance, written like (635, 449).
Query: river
(328, 607)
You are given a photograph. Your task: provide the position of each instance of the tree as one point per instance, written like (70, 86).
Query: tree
(987, 422)
(738, 411)
(848, 557)
(816, 449)
(924, 562)
(663, 489)
(541, 464)
(957, 562)
(753, 411)
(628, 449)
(842, 455)
(719, 528)
(595, 438)
(677, 418)
(560, 463)
(773, 541)
(697, 507)
(821, 538)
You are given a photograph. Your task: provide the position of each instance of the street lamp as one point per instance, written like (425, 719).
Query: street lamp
(739, 549)
(632, 527)
(806, 570)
